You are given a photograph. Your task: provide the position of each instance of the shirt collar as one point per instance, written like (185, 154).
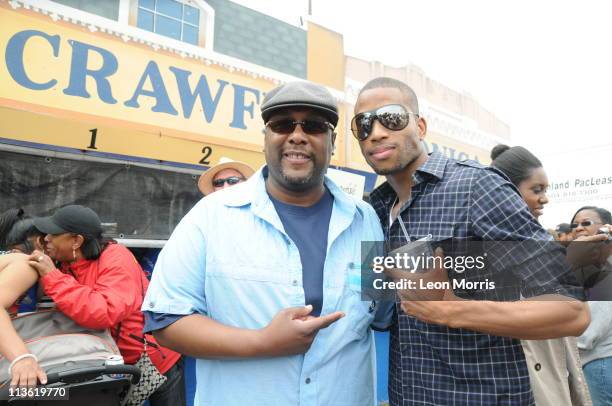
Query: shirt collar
(244, 193)
(434, 166)
(253, 192)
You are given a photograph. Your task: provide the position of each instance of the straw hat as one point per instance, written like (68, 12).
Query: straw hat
(206, 179)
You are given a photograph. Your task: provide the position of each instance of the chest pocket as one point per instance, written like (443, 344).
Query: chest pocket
(247, 294)
(261, 256)
(271, 271)
(360, 311)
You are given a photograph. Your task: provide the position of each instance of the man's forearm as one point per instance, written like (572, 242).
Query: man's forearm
(201, 337)
(540, 318)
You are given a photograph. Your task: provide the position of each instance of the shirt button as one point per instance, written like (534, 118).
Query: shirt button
(538, 366)
(294, 283)
(307, 380)
(151, 304)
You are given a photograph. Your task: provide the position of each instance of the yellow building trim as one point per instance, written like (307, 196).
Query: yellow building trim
(325, 56)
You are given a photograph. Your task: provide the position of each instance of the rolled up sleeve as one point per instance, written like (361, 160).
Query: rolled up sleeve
(178, 280)
(157, 321)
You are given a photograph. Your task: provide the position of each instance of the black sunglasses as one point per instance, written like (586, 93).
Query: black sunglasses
(232, 180)
(309, 126)
(585, 223)
(392, 116)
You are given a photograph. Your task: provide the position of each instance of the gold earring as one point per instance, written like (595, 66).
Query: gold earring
(74, 254)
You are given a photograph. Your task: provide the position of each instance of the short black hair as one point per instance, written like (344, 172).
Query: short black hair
(389, 83)
(516, 163)
(604, 214)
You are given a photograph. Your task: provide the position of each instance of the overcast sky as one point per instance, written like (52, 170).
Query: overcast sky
(543, 67)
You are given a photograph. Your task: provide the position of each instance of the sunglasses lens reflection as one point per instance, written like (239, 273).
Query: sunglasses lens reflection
(393, 117)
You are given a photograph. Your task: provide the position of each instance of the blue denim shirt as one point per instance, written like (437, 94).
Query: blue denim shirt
(231, 260)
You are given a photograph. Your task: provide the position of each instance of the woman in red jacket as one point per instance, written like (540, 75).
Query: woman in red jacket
(100, 285)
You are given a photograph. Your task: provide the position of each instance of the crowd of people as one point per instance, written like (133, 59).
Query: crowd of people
(261, 281)
(93, 280)
(90, 279)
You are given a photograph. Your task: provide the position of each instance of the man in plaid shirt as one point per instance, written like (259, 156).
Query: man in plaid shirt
(459, 352)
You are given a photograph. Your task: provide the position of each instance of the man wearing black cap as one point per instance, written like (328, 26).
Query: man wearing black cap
(231, 285)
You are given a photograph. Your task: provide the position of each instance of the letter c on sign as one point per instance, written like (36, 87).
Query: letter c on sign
(14, 58)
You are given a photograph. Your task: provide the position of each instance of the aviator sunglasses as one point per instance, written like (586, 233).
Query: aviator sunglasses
(392, 116)
(309, 126)
(232, 180)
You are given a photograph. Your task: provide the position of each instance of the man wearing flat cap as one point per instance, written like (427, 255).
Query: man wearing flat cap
(256, 282)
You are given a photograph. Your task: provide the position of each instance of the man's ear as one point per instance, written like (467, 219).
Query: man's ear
(333, 140)
(422, 125)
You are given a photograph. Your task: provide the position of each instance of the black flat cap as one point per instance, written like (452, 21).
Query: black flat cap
(71, 219)
(300, 94)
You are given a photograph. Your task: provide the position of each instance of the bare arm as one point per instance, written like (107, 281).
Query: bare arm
(537, 318)
(542, 317)
(291, 331)
(11, 345)
(201, 337)
(16, 277)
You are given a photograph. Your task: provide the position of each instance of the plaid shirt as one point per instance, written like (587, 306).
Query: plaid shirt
(432, 364)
